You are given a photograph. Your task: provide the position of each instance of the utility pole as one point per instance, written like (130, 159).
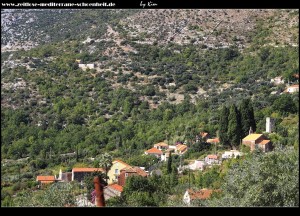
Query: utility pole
(215, 147)
(189, 179)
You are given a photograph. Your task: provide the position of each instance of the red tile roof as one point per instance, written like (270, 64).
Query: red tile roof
(212, 157)
(161, 144)
(154, 151)
(264, 142)
(45, 178)
(116, 187)
(202, 194)
(81, 169)
(136, 170)
(140, 171)
(181, 147)
(214, 140)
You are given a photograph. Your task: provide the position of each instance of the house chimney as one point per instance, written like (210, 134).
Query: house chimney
(100, 202)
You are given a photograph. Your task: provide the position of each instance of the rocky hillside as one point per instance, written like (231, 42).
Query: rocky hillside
(208, 27)
(159, 55)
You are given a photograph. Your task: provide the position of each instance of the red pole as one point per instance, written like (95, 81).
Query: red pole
(100, 202)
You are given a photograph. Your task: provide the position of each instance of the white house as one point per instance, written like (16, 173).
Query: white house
(197, 165)
(211, 159)
(165, 156)
(161, 146)
(154, 151)
(231, 154)
(112, 190)
(277, 80)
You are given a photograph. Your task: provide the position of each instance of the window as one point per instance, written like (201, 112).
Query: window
(126, 175)
(116, 171)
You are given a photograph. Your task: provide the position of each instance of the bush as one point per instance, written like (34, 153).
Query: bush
(262, 180)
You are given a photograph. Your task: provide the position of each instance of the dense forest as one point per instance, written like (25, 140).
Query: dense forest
(139, 94)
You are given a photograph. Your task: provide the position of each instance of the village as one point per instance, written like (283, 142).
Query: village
(120, 171)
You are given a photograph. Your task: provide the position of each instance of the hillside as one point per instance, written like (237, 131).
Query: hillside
(214, 27)
(119, 81)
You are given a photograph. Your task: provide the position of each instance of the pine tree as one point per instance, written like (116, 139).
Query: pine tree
(245, 120)
(234, 127)
(223, 126)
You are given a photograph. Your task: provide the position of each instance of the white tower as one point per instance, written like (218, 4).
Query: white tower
(269, 124)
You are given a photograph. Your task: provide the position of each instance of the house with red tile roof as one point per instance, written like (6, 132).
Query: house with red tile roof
(112, 190)
(154, 151)
(257, 141)
(215, 140)
(115, 169)
(161, 146)
(181, 149)
(130, 171)
(211, 159)
(192, 195)
(78, 173)
(45, 179)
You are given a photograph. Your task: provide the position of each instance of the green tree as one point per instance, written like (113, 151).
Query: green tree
(169, 166)
(223, 126)
(56, 195)
(128, 105)
(262, 180)
(247, 117)
(234, 126)
(168, 115)
(285, 104)
(251, 117)
(174, 177)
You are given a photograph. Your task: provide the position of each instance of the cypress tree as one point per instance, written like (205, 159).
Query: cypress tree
(252, 119)
(234, 128)
(247, 117)
(223, 126)
(174, 176)
(169, 167)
